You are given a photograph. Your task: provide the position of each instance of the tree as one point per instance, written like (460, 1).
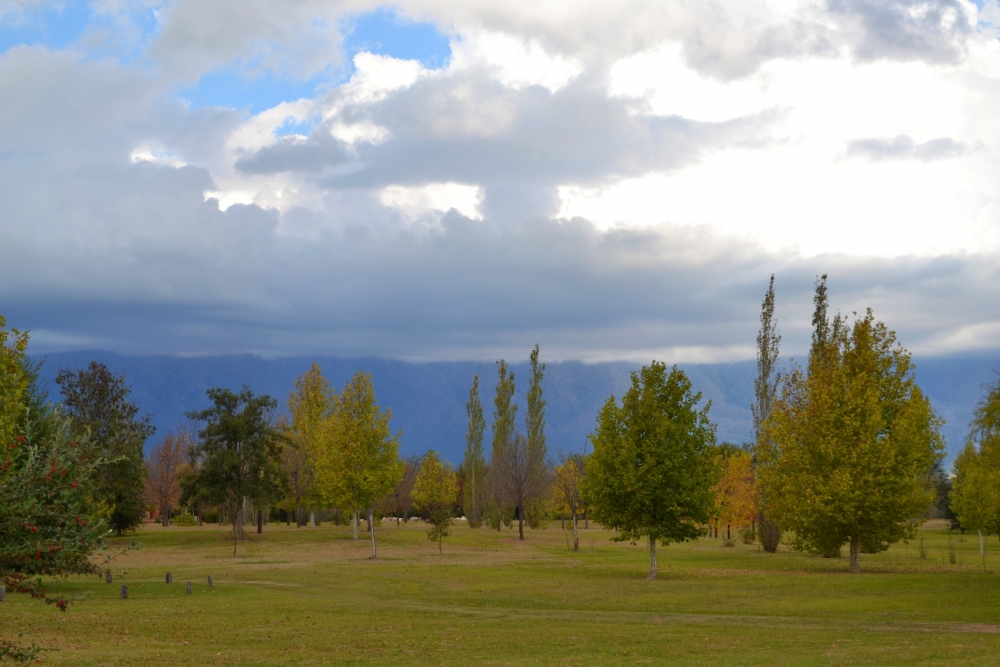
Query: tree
(163, 489)
(535, 426)
(402, 494)
(850, 445)
(567, 479)
(97, 404)
(975, 498)
(310, 404)
(435, 491)
(362, 464)
(652, 470)
(474, 464)
(765, 388)
(521, 476)
(504, 419)
(735, 497)
(239, 453)
(49, 526)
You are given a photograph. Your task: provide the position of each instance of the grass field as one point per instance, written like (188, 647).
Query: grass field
(312, 596)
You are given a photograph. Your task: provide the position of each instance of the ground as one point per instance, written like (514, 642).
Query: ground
(313, 596)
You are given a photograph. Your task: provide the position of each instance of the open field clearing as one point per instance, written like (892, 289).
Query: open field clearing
(312, 596)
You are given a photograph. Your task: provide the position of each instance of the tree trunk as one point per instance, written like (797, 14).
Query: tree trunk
(770, 534)
(354, 525)
(371, 529)
(440, 538)
(562, 521)
(576, 535)
(288, 517)
(652, 558)
(239, 519)
(586, 521)
(312, 518)
(982, 549)
(260, 522)
(520, 523)
(855, 554)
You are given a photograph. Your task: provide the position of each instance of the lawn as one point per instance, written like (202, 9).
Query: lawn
(312, 596)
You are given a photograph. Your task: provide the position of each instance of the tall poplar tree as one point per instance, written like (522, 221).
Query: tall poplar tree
(534, 422)
(97, 404)
(765, 387)
(474, 463)
(851, 443)
(652, 469)
(310, 403)
(504, 420)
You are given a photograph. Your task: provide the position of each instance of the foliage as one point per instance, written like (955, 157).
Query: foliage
(97, 404)
(500, 510)
(533, 508)
(567, 481)
(651, 471)
(310, 404)
(238, 453)
(765, 387)
(473, 467)
(735, 493)
(850, 446)
(14, 652)
(975, 498)
(362, 464)
(402, 493)
(163, 470)
(434, 492)
(14, 381)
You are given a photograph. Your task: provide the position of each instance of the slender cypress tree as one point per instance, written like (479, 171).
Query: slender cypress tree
(537, 449)
(765, 389)
(474, 464)
(504, 418)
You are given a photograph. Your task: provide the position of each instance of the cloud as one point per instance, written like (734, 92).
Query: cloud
(904, 148)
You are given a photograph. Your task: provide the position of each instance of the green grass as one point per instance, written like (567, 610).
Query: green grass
(312, 596)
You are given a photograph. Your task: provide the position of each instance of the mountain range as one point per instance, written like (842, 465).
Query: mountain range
(428, 399)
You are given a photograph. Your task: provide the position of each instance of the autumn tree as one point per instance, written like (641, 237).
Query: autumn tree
(850, 443)
(503, 427)
(361, 465)
(97, 404)
(434, 492)
(310, 404)
(975, 497)
(765, 388)
(474, 464)
(651, 472)
(239, 453)
(735, 497)
(163, 489)
(402, 493)
(567, 481)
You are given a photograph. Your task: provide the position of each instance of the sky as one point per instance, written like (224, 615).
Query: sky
(450, 179)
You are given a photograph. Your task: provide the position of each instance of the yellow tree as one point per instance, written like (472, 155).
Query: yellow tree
(435, 492)
(361, 464)
(735, 495)
(14, 381)
(310, 404)
(975, 498)
(567, 480)
(851, 444)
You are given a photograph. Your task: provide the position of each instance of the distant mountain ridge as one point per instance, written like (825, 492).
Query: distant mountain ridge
(428, 399)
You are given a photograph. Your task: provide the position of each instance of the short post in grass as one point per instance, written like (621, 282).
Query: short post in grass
(3, 593)
(107, 577)
(170, 578)
(124, 592)
(189, 588)
(209, 582)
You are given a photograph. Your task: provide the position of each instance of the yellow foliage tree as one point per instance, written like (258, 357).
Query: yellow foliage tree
(567, 479)
(735, 492)
(435, 492)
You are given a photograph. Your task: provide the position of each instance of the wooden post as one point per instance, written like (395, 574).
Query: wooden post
(189, 588)
(209, 582)
(107, 577)
(3, 593)
(170, 578)
(124, 591)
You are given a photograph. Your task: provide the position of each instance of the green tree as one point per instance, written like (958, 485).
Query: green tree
(765, 387)
(49, 526)
(239, 454)
(504, 420)
(435, 491)
(474, 463)
(537, 449)
(310, 404)
(975, 498)
(849, 447)
(362, 464)
(652, 470)
(97, 404)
